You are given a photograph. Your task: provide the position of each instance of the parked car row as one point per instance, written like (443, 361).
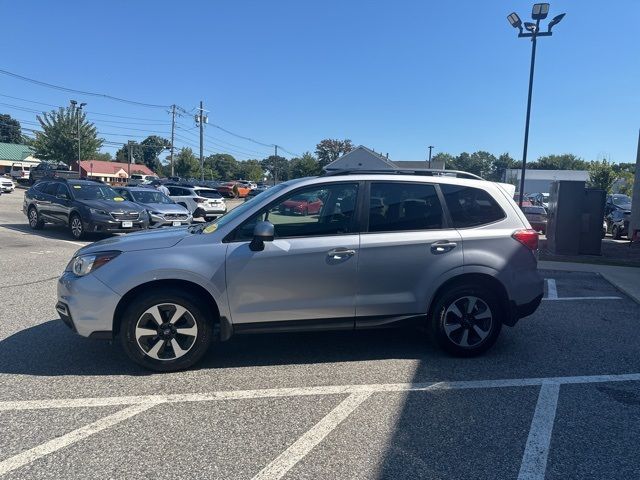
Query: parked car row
(87, 206)
(617, 214)
(6, 185)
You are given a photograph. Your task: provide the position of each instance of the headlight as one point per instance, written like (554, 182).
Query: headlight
(84, 264)
(95, 211)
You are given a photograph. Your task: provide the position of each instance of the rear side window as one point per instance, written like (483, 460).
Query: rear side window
(40, 186)
(397, 207)
(470, 207)
(51, 188)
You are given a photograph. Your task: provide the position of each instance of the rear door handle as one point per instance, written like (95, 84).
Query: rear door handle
(443, 246)
(338, 253)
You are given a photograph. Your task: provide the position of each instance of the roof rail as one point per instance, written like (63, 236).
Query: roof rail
(431, 172)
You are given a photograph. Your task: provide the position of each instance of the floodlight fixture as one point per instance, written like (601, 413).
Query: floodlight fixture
(514, 20)
(531, 27)
(554, 21)
(540, 11)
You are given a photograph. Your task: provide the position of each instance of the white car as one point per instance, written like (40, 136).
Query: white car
(201, 202)
(6, 185)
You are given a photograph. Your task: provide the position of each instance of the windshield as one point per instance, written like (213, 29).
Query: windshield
(208, 193)
(150, 197)
(240, 210)
(621, 200)
(94, 192)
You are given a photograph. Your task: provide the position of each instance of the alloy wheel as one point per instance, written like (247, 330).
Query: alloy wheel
(33, 218)
(166, 331)
(76, 227)
(468, 321)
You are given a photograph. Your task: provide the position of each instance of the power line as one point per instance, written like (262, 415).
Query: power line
(72, 90)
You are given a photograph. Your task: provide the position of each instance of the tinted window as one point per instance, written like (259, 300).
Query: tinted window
(208, 193)
(396, 207)
(150, 196)
(325, 210)
(63, 190)
(470, 207)
(51, 188)
(40, 186)
(534, 210)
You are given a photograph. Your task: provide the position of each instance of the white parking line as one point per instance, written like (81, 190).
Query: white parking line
(585, 298)
(552, 291)
(534, 460)
(33, 454)
(284, 462)
(309, 391)
(17, 230)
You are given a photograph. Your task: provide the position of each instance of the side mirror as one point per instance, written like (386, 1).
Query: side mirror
(262, 232)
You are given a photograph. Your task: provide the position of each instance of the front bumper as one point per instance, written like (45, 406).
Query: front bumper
(85, 304)
(108, 225)
(158, 221)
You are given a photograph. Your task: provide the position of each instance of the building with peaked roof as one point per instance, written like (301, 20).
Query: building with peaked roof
(362, 158)
(111, 172)
(11, 153)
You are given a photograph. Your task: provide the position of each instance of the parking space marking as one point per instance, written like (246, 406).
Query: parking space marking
(552, 291)
(33, 454)
(21, 232)
(534, 460)
(309, 391)
(586, 298)
(284, 462)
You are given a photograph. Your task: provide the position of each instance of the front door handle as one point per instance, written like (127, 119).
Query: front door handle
(443, 246)
(339, 253)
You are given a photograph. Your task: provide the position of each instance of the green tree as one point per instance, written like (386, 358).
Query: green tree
(305, 166)
(329, 150)
(277, 166)
(186, 164)
(446, 158)
(122, 154)
(59, 138)
(10, 129)
(222, 165)
(149, 150)
(500, 165)
(566, 161)
(626, 182)
(601, 175)
(250, 170)
(105, 156)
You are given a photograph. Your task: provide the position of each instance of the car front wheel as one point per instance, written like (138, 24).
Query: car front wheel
(34, 219)
(466, 320)
(165, 331)
(76, 227)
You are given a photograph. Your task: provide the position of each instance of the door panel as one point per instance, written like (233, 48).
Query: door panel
(396, 270)
(293, 279)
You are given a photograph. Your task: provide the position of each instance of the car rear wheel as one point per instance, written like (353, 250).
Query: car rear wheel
(76, 227)
(466, 320)
(199, 213)
(35, 222)
(615, 232)
(165, 330)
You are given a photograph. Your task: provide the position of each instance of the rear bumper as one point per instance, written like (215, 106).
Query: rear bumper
(523, 310)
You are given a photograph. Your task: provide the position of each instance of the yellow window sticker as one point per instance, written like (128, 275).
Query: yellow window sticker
(118, 199)
(211, 228)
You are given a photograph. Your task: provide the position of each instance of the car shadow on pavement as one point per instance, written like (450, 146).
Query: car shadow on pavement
(53, 232)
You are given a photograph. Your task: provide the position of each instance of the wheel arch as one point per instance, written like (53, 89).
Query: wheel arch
(476, 279)
(221, 325)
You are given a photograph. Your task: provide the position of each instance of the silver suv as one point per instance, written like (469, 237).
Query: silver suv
(452, 254)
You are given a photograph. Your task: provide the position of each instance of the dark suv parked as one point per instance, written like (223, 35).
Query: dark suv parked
(83, 205)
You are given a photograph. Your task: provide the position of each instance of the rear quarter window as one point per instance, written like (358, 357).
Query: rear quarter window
(471, 207)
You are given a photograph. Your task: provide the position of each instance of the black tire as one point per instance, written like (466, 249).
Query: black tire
(35, 222)
(76, 227)
(199, 213)
(443, 320)
(134, 316)
(615, 232)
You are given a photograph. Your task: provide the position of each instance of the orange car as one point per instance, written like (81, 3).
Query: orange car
(226, 190)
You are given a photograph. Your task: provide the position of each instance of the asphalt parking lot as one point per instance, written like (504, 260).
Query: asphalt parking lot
(558, 396)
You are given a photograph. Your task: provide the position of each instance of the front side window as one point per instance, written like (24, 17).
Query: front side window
(397, 207)
(470, 207)
(315, 211)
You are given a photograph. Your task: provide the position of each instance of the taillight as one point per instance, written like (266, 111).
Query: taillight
(200, 200)
(528, 237)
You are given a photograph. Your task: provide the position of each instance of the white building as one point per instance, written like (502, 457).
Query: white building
(540, 180)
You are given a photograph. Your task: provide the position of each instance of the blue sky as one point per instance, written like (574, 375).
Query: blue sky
(395, 76)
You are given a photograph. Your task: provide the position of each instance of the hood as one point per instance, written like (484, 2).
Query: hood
(624, 206)
(111, 206)
(144, 240)
(164, 207)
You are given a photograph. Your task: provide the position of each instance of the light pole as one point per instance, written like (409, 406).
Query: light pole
(78, 109)
(539, 12)
(430, 148)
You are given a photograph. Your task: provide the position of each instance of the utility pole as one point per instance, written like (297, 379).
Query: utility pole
(275, 166)
(130, 145)
(430, 148)
(201, 119)
(173, 130)
(78, 108)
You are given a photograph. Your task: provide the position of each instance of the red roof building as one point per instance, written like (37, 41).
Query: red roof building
(111, 172)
